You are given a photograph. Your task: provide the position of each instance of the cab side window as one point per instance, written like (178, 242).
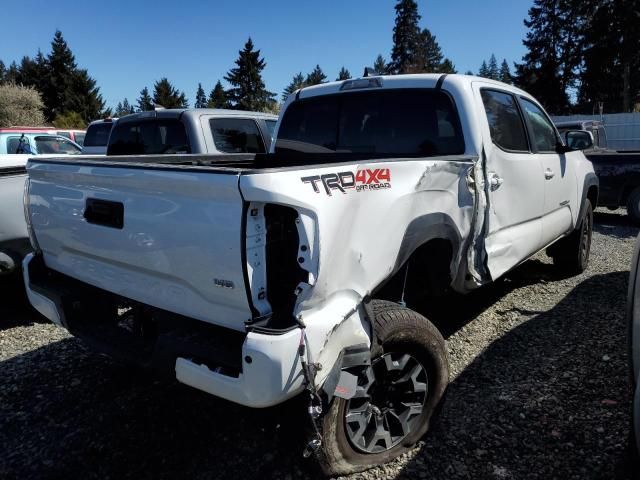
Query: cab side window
(505, 122)
(542, 130)
(18, 145)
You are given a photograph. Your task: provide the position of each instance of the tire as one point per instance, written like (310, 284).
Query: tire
(633, 205)
(571, 254)
(411, 351)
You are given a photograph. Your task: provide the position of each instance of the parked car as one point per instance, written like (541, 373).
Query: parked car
(35, 142)
(617, 170)
(76, 136)
(259, 277)
(16, 146)
(197, 131)
(97, 136)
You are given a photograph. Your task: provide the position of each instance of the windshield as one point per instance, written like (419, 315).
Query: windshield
(416, 122)
(56, 145)
(148, 137)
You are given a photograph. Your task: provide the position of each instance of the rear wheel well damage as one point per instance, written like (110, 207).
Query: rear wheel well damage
(426, 273)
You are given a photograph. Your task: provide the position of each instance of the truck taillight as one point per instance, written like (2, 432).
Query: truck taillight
(27, 216)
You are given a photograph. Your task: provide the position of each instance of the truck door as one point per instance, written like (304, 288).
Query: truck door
(515, 182)
(558, 172)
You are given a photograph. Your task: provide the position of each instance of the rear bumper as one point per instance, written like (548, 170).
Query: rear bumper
(254, 369)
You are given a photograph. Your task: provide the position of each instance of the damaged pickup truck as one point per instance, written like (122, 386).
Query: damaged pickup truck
(263, 277)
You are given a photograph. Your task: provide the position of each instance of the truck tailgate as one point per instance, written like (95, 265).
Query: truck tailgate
(160, 236)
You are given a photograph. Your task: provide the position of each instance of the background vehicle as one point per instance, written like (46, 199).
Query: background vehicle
(76, 136)
(25, 142)
(257, 277)
(617, 170)
(97, 136)
(199, 130)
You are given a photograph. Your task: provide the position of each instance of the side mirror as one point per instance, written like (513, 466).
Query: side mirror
(578, 139)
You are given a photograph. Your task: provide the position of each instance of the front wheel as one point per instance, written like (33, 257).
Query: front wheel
(395, 398)
(633, 205)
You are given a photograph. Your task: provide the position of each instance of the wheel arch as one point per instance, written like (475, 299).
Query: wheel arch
(590, 191)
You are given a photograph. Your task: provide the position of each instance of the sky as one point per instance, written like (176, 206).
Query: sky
(127, 45)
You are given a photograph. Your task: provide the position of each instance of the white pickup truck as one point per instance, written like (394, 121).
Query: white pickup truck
(258, 278)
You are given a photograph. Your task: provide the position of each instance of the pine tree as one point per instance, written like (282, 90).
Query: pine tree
(484, 70)
(13, 73)
(201, 98)
(549, 68)
(296, 83)
(505, 73)
(447, 66)
(380, 65)
(62, 64)
(343, 74)
(145, 102)
(406, 37)
(316, 77)
(611, 68)
(85, 98)
(494, 72)
(218, 97)
(248, 91)
(429, 54)
(3, 71)
(119, 110)
(166, 95)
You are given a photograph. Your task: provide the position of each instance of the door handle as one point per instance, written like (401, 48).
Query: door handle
(495, 181)
(548, 174)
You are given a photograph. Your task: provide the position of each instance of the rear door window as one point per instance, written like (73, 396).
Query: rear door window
(416, 122)
(98, 134)
(236, 135)
(79, 138)
(505, 122)
(148, 137)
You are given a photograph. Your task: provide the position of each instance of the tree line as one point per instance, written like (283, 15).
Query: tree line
(580, 54)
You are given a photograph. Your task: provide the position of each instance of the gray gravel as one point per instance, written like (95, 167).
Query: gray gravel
(539, 389)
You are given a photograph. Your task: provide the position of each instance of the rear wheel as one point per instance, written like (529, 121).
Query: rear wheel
(571, 254)
(395, 398)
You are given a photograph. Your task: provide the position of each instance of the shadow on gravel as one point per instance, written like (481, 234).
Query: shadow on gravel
(550, 399)
(609, 223)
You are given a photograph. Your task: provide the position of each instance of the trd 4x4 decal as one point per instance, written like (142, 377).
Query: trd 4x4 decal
(361, 180)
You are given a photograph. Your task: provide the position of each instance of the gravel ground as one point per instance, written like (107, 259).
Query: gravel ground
(539, 389)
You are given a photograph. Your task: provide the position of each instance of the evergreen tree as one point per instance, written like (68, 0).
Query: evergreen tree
(13, 73)
(62, 65)
(119, 110)
(316, 77)
(84, 98)
(380, 65)
(549, 68)
(429, 54)
(218, 97)
(343, 74)
(406, 37)
(446, 66)
(124, 108)
(201, 98)
(505, 73)
(611, 68)
(145, 102)
(469, 72)
(248, 91)
(494, 72)
(166, 95)
(3, 71)
(484, 70)
(296, 83)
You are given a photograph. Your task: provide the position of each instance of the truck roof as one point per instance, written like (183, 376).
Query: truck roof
(420, 80)
(195, 112)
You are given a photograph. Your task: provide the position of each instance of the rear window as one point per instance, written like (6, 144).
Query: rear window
(236, 135)
(18, 145)
(416, 122)
(148, 137)
(79, 138)
(98, 134)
